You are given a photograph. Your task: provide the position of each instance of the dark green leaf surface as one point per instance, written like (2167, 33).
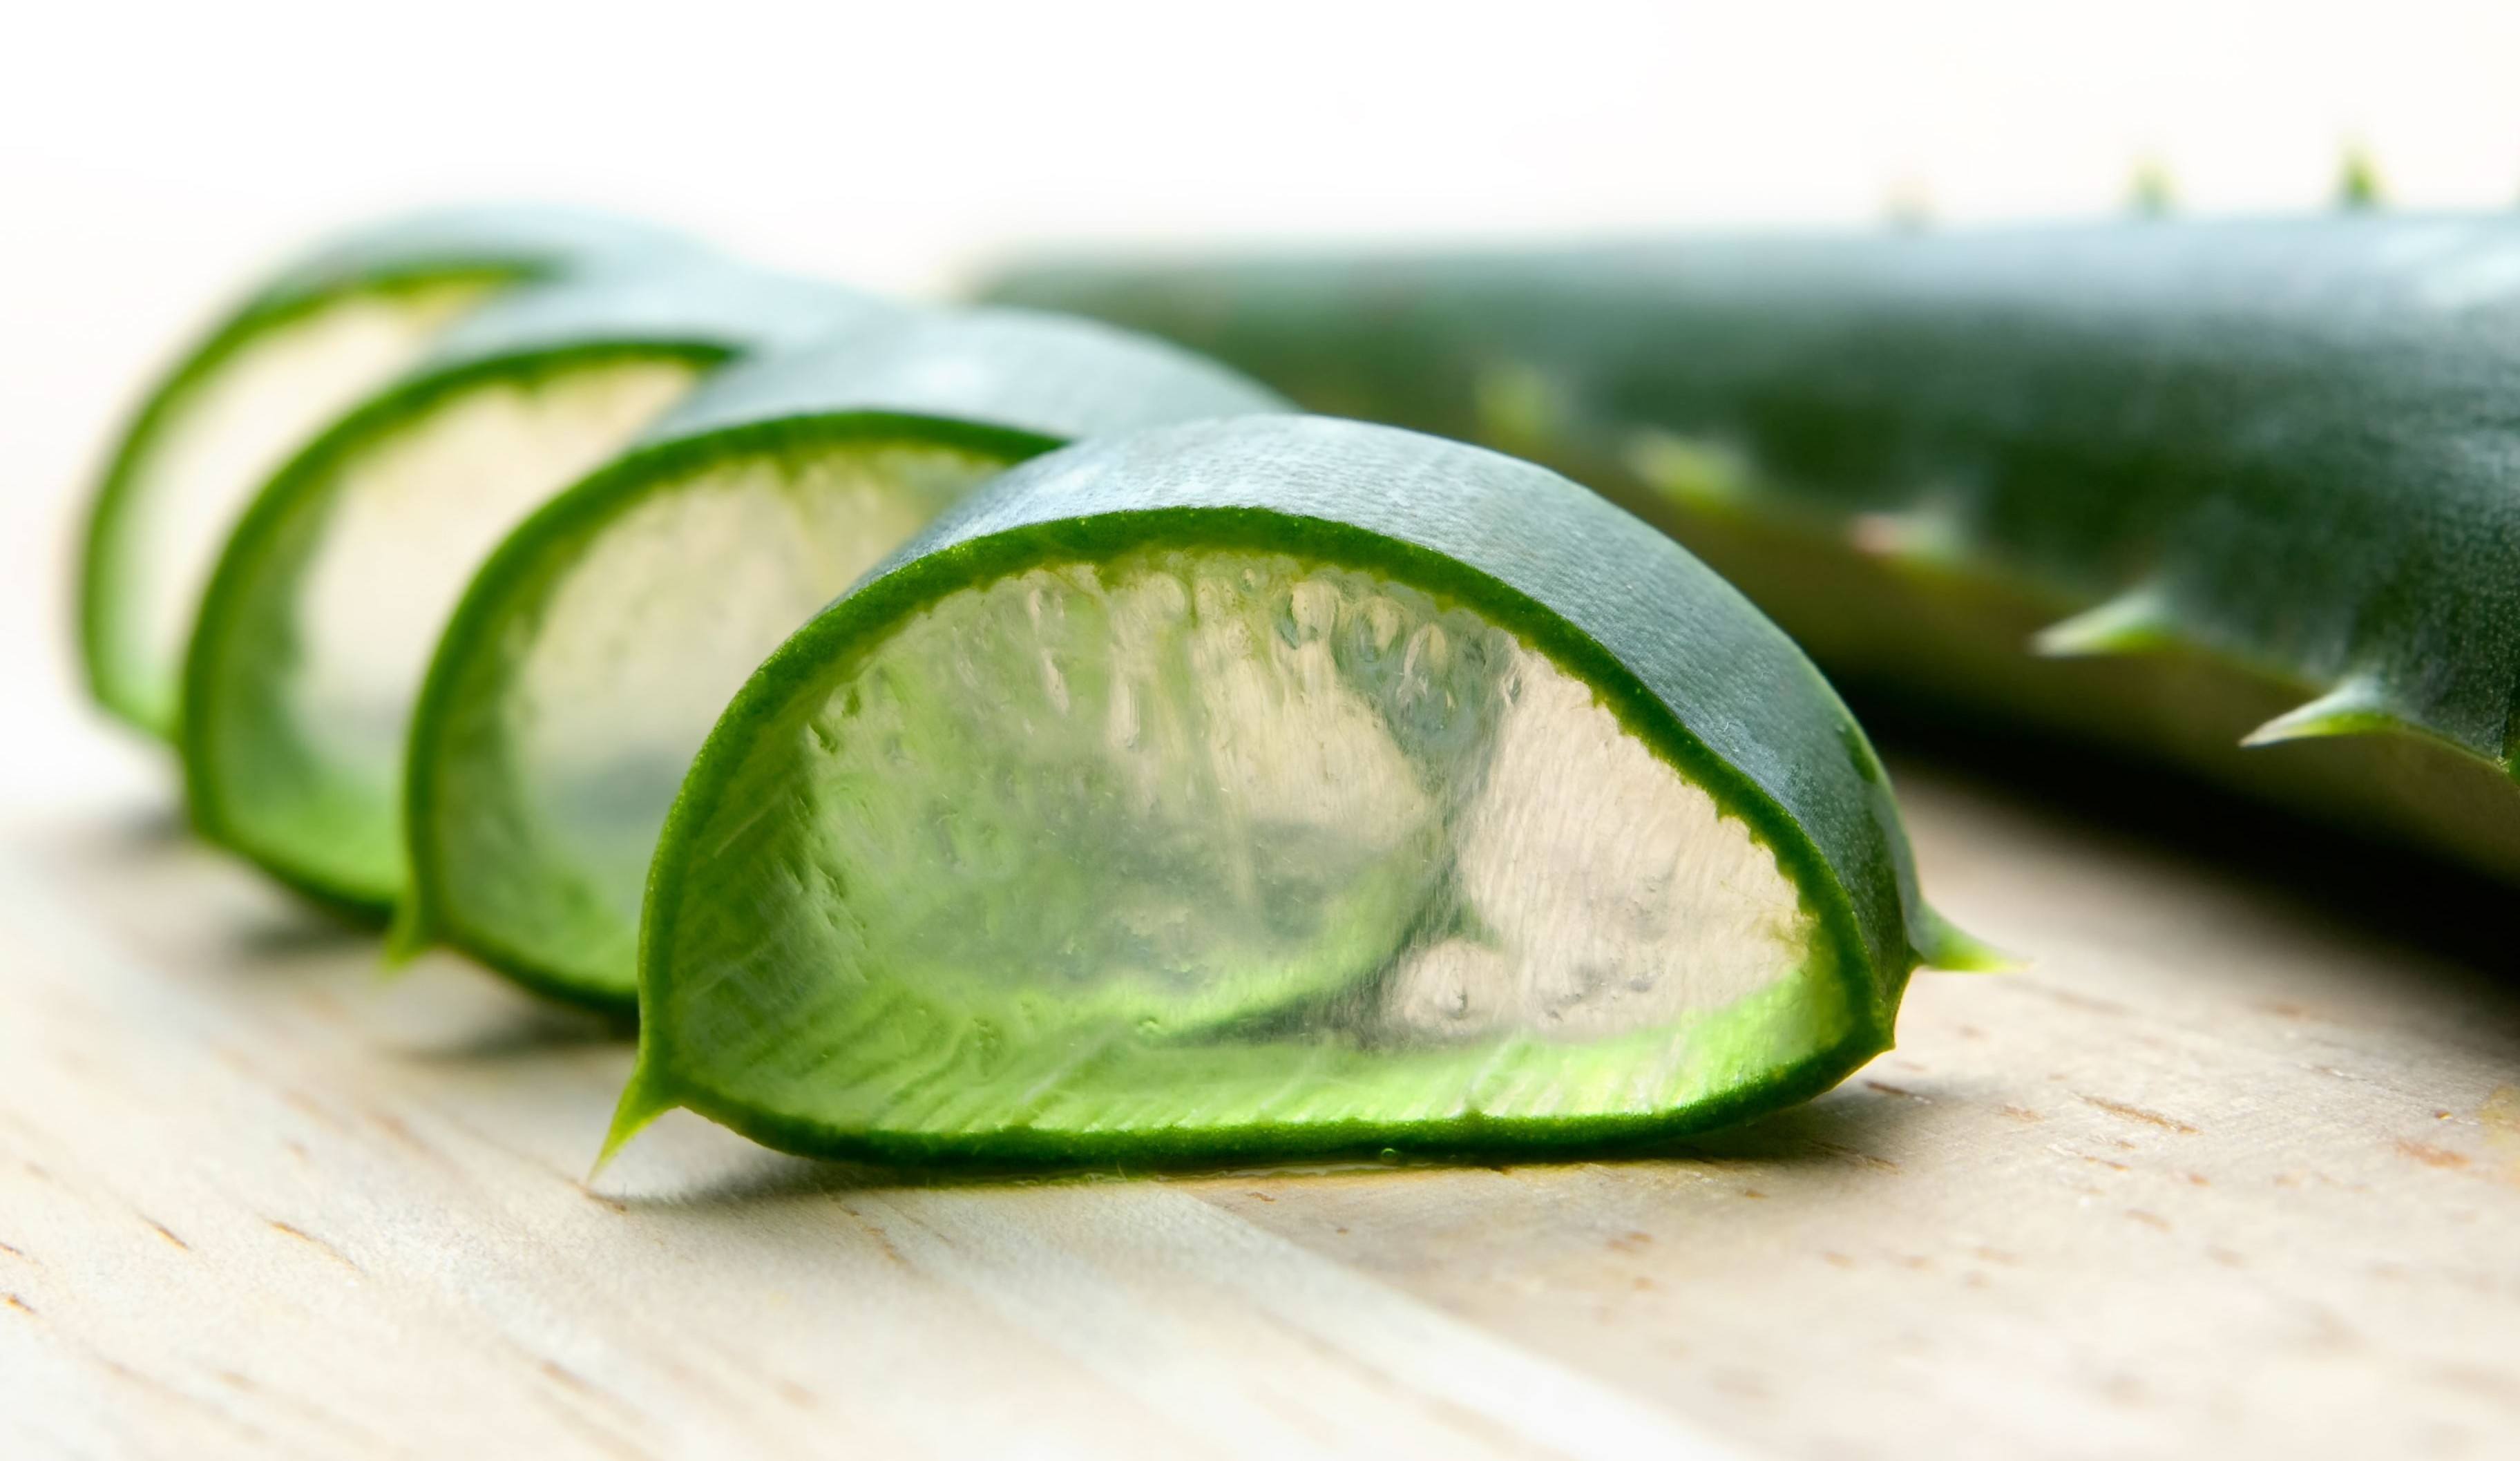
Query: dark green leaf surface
(2255, 481)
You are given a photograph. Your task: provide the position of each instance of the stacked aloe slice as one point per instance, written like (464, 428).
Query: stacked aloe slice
(984, 733)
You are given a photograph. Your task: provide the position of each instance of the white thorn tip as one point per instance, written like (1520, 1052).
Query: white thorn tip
(2133, 623)
(2355, 707)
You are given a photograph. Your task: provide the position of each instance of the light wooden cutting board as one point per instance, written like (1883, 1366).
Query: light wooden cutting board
(2230, 1173)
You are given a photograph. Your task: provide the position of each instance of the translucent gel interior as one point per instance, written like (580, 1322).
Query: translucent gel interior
(410, 517)
(1227, 838)
(225, 437)
(607, 675)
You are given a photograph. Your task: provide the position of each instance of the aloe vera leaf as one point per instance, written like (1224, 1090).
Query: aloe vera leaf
(325, 331)
(329, 597)
(2228, 467)
(1068, 835)
(597, 646)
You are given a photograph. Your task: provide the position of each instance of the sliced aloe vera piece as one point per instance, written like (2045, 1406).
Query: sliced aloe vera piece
(329, 597)
(1272, 786)
(331, 328)
(597, 646)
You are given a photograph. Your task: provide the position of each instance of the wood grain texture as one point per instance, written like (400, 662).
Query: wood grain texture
(2226, 1175)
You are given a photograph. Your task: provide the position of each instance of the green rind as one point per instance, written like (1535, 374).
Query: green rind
(704, 312)
(516, 244)
(699, 302)
(537, 240)
(2292, 446)
(1463, 1138)
(1052, 376)
(1692, 669)
(1001, 383)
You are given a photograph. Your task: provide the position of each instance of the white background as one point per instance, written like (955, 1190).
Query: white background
(153, 156)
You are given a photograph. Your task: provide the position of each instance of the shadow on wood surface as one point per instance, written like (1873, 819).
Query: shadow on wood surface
(2404, 895)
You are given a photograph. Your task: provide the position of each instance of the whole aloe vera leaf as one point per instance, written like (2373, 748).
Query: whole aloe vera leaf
(2241, 495)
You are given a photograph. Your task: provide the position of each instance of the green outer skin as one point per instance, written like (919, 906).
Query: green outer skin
(2281, 457)
(1683, 660)
(517, 243)
(1003, 383)
(697, 309)
(1054, 376)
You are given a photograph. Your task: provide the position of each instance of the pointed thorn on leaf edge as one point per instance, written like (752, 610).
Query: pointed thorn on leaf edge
(1950, 949)
(2357, 708)
(642, 1102)
(1917, 538)
(2133, 622)
(407, 938)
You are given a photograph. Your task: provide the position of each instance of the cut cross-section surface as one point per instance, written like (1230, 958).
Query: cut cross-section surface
(1271, 786)
(313, 342)
(594, 651)
(327, 601)
(547, 788)
(212, 447)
